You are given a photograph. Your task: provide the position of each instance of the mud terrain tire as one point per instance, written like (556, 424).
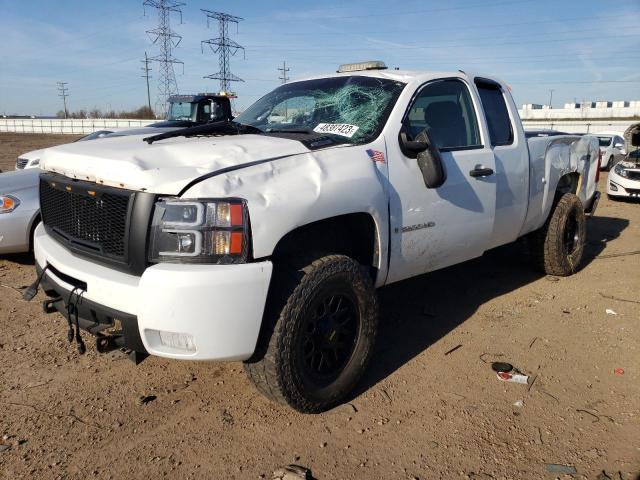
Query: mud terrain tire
(558, 246)
(324, 318)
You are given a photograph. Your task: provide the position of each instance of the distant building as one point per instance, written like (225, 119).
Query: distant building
(602, 109)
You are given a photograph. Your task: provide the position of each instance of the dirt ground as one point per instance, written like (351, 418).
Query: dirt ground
(420, 412)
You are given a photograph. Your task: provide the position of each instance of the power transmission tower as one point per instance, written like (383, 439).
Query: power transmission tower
(224, 47)
(62, 89)
(167, 40)
(284, 71)
(146, 75)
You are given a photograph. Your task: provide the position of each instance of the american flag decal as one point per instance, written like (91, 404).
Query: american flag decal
(376, 155)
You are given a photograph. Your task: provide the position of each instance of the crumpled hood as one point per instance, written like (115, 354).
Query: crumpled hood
(165, 166)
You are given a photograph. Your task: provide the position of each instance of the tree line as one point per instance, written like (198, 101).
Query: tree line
(144, 113)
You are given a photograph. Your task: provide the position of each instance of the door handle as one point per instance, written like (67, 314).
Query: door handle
(481, 172)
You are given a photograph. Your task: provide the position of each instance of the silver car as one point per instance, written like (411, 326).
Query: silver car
(19, 209)
(612, 149)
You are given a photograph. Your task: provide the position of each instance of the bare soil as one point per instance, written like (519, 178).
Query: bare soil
(420, 412)
(12, 145)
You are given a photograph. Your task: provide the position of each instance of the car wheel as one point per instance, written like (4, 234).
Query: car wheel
(558, 246)
(323, 336)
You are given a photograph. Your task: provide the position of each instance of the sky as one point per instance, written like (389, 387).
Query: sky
(580, 49)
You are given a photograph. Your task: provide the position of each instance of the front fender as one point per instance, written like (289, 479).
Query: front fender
(288, 193)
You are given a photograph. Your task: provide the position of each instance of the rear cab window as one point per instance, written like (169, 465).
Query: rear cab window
(496, 112)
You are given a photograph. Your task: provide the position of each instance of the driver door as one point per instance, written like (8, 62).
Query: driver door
(435, 228)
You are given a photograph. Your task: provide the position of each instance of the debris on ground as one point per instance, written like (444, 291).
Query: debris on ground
(293, 472)
(453, 349)
(507, 373)
(518, 403)
(558, 468)
(143, 400)
(610, 312)
(619, 371)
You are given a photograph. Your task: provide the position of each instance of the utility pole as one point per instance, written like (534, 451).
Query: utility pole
(550, 97)
(224, 47)
(284, 79)
(146, 75)
(62, 89)
(167, 39)
(284, 71)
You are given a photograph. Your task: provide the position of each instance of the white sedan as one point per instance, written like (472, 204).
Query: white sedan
(19, 210)
(624, 178)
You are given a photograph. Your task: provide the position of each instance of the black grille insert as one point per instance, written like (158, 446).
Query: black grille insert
(87, 216)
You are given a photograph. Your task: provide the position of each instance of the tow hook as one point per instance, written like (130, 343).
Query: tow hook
(108, 343)
(48, 305)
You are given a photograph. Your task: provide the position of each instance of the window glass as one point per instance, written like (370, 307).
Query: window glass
(496, 113)
(360, 103)
(445, 109)
(604, 141)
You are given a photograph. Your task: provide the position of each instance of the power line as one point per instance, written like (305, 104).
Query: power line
(224, 47)
(284, 71)
(146, 76)
(167, 40)
(62, 88)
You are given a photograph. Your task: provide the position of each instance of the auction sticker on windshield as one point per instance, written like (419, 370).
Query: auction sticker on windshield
(343, 129)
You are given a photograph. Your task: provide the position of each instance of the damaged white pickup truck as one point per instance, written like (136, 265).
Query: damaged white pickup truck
(263, 239)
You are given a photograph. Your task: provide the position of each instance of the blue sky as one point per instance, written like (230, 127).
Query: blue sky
(588, 49)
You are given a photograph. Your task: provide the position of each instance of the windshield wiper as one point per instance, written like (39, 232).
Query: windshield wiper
(290, 130)
(223, 127)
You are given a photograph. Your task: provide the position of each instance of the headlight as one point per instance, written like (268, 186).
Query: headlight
(619, 169)
(199, 231)
(35, 162)
(8, 203)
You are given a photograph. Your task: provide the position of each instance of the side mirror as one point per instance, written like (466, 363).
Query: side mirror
(423, 149)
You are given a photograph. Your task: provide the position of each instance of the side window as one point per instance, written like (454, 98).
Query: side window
(619, 140)
(444, 108)
(495, 110)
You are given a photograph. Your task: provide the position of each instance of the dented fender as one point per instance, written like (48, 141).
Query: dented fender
(287, 193)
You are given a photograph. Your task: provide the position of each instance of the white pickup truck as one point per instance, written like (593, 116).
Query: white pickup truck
(263, 239)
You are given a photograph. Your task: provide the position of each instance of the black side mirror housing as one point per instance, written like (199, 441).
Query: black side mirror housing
(423, 149)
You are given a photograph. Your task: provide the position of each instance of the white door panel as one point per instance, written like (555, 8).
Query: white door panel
(435, 228)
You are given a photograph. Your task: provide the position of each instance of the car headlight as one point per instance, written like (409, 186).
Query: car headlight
(620, 170)
(35, 162)
(199, 231)
(8, 203)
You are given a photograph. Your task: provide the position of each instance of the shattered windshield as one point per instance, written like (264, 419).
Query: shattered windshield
(353, 107)
(180, 111)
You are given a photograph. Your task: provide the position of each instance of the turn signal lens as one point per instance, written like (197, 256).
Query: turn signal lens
(8, 203)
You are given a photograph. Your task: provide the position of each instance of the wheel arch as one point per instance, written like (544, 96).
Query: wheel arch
(356, 235)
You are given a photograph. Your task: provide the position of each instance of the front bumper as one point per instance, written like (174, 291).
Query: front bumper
(219, 306)
(618, 186)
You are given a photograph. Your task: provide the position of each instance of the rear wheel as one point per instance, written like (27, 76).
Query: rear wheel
(558, 246)
(323, 336)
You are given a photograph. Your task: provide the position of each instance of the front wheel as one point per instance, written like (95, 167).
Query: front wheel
(558, 246)
(323, 335)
